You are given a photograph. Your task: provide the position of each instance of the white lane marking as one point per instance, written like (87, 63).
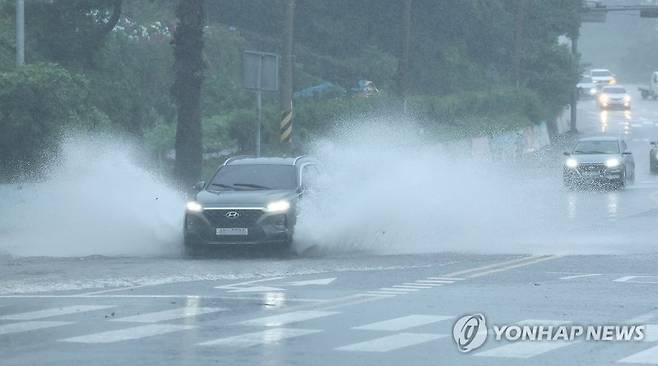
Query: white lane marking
(288, 318)
(423, 285)
(238, 284)
(257, 289)
(166, 315)
(445, 282)
(416, 286)
(404, 322)
(580, 276)
(47, 313)
(648, 356)
(523, 349)
(382, 294)
(27, 326)
(446, 278)
(543, 322)
(321, 281)
(493, 265)
(401, 290)
(506, 268)
(433, 284)
(126, 334)
(266, 337)
(391, 343)
(635, 279)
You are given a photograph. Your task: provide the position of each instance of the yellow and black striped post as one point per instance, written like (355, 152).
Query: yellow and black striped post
(286, 125)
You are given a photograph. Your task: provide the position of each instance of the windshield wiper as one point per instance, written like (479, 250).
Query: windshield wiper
(222, 185)
(250, 185)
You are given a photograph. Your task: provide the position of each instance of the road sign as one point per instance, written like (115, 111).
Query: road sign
(261, 71)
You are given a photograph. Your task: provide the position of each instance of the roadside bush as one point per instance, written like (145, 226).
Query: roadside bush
(37, 102)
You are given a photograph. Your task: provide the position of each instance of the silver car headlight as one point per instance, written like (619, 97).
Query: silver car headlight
(612, 163)
(571, 163)
(278, 206)
(193, 206)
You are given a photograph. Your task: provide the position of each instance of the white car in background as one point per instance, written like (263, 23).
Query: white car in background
(614, 96)
(602, 77)
(586, 87)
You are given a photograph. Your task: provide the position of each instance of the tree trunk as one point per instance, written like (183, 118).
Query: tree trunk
(285, 96)
(188, 68)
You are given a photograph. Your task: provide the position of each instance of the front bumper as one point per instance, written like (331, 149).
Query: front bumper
(261, 227)
(612, 104)
(593, 174)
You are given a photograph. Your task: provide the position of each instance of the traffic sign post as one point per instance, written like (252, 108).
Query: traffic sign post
(261, 73)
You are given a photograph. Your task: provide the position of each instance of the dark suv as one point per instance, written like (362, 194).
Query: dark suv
(249, 201)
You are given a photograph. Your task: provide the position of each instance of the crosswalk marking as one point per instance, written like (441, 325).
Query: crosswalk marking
(392, 342)
(446, 278)
(28, 326)
(382, 293)
(417, 286)
(401, 290)
(171, 314)
(404, 322)
(126, 334)
(648, 356)
(266, 337)
(287, 318)
(47, 313)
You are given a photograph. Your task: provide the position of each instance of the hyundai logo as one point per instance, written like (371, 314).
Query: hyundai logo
(232, 214)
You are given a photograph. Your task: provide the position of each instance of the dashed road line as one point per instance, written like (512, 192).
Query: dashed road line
(126, 334)
(404, 322)
(416, 286)
(266, 337)
(399, 289)
(392, 342)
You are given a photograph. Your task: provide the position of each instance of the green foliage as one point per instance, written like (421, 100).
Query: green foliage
(36, 103)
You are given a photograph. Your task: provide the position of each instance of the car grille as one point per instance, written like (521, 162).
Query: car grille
(591, 167)
(246, 218)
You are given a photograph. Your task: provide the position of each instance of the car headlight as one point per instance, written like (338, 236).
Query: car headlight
(572, 163)
(612, 163)
(592, 91)
(612, 81)
(278, 206)
(603, 98)
(193, 206)
(627, 98)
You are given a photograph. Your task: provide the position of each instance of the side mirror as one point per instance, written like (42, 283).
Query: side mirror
(627, 153)
(566, 153)
(199, 186)
(653, 143)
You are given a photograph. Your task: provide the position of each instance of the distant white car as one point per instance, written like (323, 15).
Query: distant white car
(586, 87)
(614, 96)
(602, 77)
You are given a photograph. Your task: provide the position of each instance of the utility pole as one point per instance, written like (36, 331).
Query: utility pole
(403, 64)
(285, 96)
(20, 32)
(574, 93)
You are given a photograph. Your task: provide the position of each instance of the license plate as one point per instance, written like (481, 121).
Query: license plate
(232, 231)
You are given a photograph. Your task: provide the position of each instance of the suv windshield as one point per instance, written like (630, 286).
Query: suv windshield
(597, 147)
(600, 74)
(614, 90)
(255, 176)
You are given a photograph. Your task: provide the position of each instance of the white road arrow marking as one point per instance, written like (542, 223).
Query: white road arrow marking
(580, 276)
(257, 289)
(321, 281)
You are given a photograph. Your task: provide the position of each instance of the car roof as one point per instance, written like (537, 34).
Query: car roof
(613, 87)
(600, 138)
(250, 160)
(599, 70)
